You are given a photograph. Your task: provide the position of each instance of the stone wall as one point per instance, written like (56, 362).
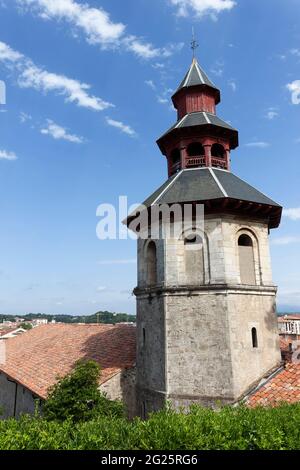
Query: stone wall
(246, 311)
(198, 335)
(122, 386)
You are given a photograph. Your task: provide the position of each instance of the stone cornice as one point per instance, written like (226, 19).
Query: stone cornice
(206, 289)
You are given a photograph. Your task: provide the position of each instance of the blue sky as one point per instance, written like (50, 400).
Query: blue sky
(88, 93)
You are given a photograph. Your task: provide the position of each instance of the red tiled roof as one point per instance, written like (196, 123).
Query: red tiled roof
(4, 331)
(37, 358)
(293, 316)
(284, 386)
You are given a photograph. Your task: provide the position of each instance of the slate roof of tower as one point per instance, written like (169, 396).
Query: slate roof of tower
(203, 184)
(195, 76)
(199, 118)
(38, 357)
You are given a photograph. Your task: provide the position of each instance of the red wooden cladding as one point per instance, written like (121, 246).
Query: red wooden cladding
(195, 101)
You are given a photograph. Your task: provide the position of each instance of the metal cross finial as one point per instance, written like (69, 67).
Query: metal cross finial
(194, 43)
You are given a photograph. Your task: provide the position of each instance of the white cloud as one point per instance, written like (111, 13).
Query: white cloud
(4, 155)
(101, 289)
(146, 50)
(31, 76)
(73, 90)
(295, 52)
(218, 68)
(161, 100)
(104, 289)
(24, 117)
(96, 25)
(294, 88)
(272, 113)
(158, 66)
(232, 84)
(289, 297)
(117, 261)
(120, 125)
(293, 213)
(287, 240)
(202, 7)
(59, 133)
(150, 84)
(95, 22)
(7, 54)
(261, 145)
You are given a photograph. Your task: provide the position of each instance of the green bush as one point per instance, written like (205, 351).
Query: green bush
(201, 429)
(26, 326)
(76, 396)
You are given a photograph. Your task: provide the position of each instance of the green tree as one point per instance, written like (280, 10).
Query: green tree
(76, 397)
(26, 326)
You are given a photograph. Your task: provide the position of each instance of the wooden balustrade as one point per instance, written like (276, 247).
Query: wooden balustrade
(195, 161)
(219, 163)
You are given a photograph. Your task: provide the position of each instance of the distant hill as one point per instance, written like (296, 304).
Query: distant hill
(98, 317)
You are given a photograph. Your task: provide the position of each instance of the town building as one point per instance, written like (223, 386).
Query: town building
(39, 321)
(31, 363)
(206, 302)
(289, 331)
(289, 326)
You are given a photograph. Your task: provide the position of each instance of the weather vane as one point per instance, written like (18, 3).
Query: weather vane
(194, 43)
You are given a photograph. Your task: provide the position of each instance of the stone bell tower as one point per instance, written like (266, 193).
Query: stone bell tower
(206, 319)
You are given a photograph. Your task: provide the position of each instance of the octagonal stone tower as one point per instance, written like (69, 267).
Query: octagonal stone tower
(206, 312)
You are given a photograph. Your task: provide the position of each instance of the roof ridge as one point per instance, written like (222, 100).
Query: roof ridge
(218, 182)
(166, 189)
(188, 75)
(201, 72)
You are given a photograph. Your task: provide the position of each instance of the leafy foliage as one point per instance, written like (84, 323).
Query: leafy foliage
(26, 326)
(201, 429)
(76, 397)
(99, 317)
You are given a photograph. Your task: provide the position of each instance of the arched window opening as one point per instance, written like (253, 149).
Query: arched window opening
(217, 151)
(195, 149)
(194, 241)
(175, 160)
(151, 264)
(246, 260)
(194, 259)
(144, 337)
(254, 338)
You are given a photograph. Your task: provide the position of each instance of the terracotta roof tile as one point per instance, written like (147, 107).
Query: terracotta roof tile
(37, 358)
(293, 316)
(285, 386)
